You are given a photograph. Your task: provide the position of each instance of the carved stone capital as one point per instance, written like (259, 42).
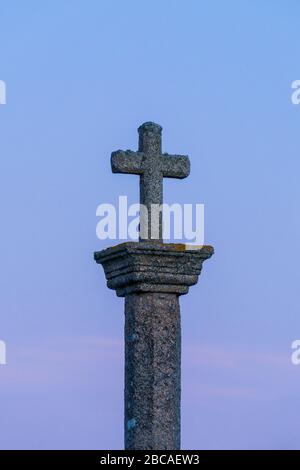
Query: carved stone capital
(134, 267)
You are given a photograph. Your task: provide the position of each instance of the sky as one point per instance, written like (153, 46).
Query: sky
(81, 76)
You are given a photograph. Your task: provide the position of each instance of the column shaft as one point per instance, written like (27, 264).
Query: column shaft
(152, 371)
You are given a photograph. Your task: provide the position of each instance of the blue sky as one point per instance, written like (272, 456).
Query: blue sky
(81, 76)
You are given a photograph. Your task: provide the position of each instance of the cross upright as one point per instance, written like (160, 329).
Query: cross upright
(152, 166)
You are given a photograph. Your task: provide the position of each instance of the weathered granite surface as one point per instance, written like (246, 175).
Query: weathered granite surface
(151, 276)
(152, 267)
(152, 166)
(152, 371)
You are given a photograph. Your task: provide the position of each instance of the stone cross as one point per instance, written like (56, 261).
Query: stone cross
(151, 277)
(152, 166)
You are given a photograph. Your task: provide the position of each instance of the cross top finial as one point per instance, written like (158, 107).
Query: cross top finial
(150, 137)
(150, 126)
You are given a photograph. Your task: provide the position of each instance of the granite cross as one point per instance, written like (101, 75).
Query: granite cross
(151, 277)
(152, 166)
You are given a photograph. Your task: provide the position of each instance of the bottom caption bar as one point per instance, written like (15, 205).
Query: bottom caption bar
(132, 459)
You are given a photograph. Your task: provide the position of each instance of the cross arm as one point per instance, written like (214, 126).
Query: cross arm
(126, 161)
(175, 166)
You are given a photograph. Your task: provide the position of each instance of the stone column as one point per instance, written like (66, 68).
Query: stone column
(152, 371)
(151, 276)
